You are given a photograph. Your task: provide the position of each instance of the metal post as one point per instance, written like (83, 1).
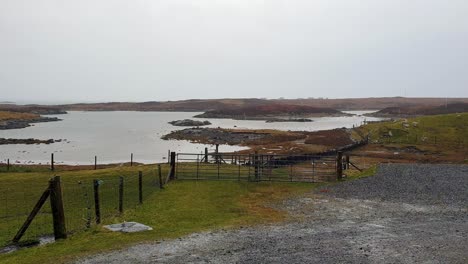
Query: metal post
(239, 171)
(140, 186)
(52, 168)
(339, 165)
(172, 175)
(56, 204)
(256, 166)
(121, 194)
(97, 204)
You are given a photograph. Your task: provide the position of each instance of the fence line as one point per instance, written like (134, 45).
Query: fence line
(116, 194)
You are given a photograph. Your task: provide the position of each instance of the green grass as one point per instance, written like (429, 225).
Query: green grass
(19, 191)
(355, 174)
(448, 130)
(183, 207)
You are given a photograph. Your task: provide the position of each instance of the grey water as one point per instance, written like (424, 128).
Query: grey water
(113, 136)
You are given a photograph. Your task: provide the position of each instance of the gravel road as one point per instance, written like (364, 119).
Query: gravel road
(404, 214)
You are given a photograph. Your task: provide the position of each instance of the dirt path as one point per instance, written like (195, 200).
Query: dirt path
(421, 218)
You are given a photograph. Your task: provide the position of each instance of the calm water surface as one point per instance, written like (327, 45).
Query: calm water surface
(112, 136)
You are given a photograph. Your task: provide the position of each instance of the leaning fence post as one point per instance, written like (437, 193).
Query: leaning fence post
(173, 164)
(56, 204)
(160, 177)
(121, 194)
(140, 187)
(339, 165)
(97, 206)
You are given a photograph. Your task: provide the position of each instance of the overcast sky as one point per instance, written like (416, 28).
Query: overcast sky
(135, 50)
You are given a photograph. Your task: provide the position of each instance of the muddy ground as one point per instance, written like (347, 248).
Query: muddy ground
(404, 214)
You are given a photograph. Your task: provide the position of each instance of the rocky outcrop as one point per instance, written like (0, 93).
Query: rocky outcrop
(22, 123)
(27, 141)
(274, 120)
(190, 123)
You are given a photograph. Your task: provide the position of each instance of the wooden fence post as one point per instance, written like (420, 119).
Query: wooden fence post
(56, 204)
(97, 204)
(8, 164)
(169, 157)
(131, 160)
(121, 194)
(206, 155)
(95, 162)
(173, 164)
(339, 165)
(31, 216)
(52, 168)
(140, 187)
(161, 186)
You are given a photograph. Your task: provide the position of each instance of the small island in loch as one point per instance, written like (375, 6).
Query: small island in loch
(190, 123)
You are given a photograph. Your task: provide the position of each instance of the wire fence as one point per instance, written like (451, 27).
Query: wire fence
(256, 167)
(116, 194)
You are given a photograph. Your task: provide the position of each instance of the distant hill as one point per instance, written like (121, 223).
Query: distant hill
(419, 111)
(203, 105)
(33, 109)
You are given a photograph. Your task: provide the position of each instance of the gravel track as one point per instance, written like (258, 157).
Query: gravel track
(404, 214)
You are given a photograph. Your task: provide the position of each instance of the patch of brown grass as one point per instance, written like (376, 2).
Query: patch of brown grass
(6, 115)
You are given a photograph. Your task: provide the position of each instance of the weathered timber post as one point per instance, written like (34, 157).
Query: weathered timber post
(32, 215)
(131, 160)
(217, 154)
(95, 162)
(56, 204)
(97, 204)
(172, 175)
(339, 165)
(140, 187)
(52, 168)
(121, 194)
(169, 157)
(160, 177)
(206, 155)
(8, 165)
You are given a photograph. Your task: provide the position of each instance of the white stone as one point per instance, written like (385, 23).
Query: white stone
(128, 227)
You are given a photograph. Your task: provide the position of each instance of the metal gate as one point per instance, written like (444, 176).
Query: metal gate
(255, 167)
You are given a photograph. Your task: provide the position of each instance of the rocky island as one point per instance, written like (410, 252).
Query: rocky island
(272, 113)
(190, 123)
(27, 141)
(15, 120)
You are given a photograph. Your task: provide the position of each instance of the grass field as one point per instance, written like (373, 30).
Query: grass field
(183, 207)
(444, 130)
